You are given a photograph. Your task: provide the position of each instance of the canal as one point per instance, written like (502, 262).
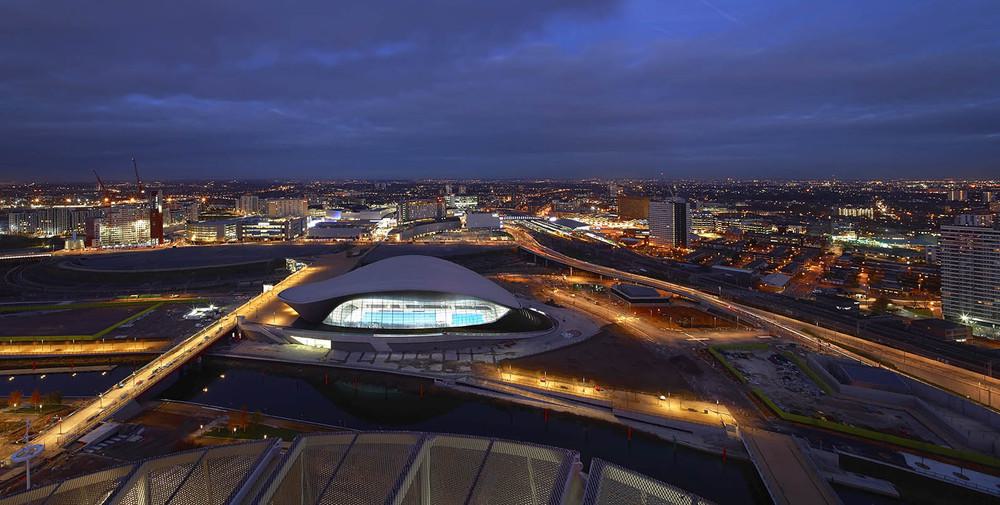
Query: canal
(370, 401)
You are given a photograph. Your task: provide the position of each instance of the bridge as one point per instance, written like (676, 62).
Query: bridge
(975, 386)
(108, 402)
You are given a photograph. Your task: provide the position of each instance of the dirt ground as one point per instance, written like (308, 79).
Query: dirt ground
(788, 386)
(690, 317)
(615, 358)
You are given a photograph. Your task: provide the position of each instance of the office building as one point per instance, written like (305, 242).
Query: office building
(417, 210)
(287, 207)
(958, 195)
(970, 276)
(865, 212)
(669, 222)
(482, 221)
(266, 229)
(633, 207)
(703, 221)
(988, 196)
(221, 230)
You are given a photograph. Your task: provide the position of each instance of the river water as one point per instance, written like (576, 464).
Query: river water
(370, 401)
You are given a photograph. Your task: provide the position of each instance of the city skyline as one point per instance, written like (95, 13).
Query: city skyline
(563, 90)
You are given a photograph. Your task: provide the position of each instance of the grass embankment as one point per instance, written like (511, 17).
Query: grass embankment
(948, 452)
(254, 432)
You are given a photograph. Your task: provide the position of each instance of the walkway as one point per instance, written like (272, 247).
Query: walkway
(788, 475)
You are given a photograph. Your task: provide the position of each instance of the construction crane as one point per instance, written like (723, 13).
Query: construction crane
(138, 181)
(105, 193)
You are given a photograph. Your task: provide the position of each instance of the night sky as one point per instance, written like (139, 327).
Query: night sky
(511, 88)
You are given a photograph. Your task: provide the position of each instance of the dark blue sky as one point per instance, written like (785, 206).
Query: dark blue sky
(432, 88)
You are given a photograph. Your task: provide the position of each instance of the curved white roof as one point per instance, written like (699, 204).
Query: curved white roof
(403, 273)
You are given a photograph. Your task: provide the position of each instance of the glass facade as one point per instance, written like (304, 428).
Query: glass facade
(414, 311)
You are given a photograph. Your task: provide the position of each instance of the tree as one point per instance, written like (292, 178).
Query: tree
(881, 304)
(36, 398)
(14, 398)
(257, 418)
(244, 419)
(54, 398)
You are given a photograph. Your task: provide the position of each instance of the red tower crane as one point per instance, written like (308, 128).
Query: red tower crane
(105, 193)
(138, 181)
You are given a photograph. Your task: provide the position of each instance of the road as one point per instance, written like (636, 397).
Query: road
(90, 415)
(693, 411)
(975, 386)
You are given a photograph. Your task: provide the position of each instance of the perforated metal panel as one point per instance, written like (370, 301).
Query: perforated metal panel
(611, 484)
(398, 468)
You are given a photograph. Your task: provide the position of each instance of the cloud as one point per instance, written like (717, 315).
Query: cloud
(517, 88)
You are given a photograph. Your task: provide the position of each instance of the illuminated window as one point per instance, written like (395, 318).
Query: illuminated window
(414, 311)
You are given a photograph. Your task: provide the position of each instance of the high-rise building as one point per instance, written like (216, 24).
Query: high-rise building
(970, 276)
(958, 195)
(287, 207)
(633, 207)
(465, 202)
(123, 226)
(48, 221)
(988, 196)
(416, 210)
(670, 222)
(982, 219)
(248, 205)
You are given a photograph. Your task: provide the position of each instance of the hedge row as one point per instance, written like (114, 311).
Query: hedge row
(878, 436)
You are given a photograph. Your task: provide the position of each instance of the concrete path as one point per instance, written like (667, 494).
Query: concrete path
(788, 474)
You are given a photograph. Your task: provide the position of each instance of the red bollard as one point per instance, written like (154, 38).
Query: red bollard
(421, 391)
(326, 378)
(723, 454)
(545, 414)
(628, 433)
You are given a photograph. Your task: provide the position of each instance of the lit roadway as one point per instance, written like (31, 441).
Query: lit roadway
(978, 387)
(90, 415)
(657, 405)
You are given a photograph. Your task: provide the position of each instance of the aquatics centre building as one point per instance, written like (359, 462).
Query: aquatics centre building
(415, 296)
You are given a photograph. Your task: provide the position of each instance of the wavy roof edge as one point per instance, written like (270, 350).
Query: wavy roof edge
(403, 273)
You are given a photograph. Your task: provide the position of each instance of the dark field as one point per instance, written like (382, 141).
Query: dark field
(614, 357)
(65, 322)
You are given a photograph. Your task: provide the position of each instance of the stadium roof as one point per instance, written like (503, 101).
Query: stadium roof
(362, 467)
(396, 274)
